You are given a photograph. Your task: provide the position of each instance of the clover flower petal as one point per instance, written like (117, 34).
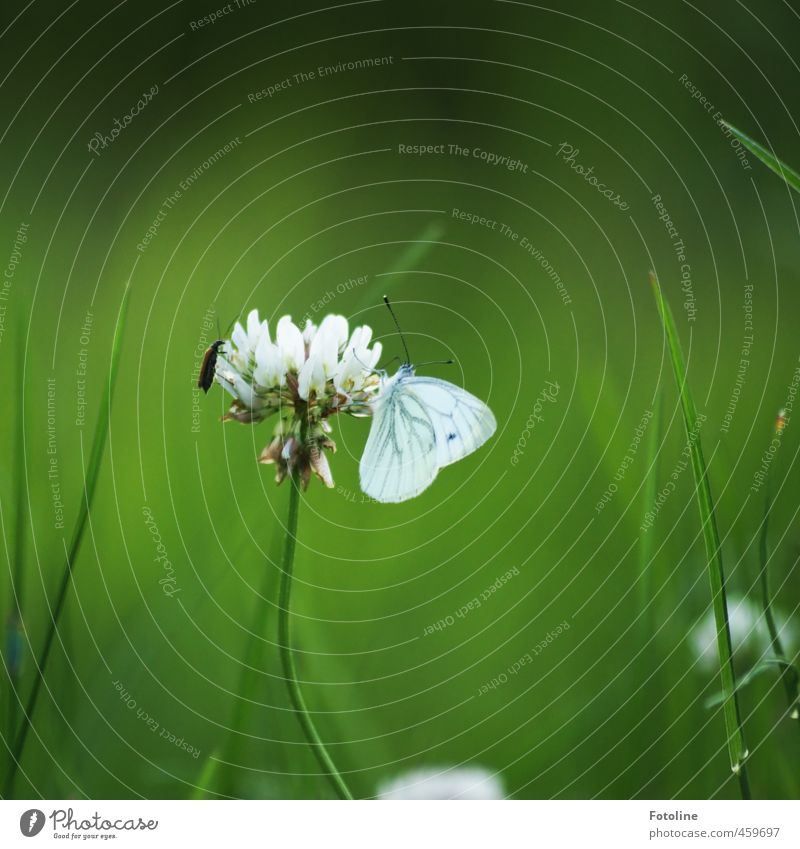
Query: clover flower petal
(312, 377)
(239, 338)
(333, 330)
(290, 344)
(309, 331)
(269, 369)
(360, 338)
(456, 782)
(255, 329)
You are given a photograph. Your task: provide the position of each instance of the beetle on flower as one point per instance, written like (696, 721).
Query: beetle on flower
(303, 378)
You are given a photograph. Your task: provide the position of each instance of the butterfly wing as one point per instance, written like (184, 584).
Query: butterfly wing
(461, 422)
(400, 457)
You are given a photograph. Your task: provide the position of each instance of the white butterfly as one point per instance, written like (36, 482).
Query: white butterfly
(419, 425)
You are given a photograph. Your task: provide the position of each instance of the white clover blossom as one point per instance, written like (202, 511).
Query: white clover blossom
(461, 782)
(749, 634)
(304, 377)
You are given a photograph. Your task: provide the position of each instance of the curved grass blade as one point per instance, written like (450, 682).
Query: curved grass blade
(14, 634)
(716, 575)
(90, 484)
(763, 666)
(788, 673)
(646, 544)
(787, 174)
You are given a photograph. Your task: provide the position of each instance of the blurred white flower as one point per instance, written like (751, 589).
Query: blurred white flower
(460, 782)
(304, 378)
(749, 634)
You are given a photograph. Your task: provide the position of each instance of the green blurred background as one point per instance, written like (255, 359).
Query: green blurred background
(317, 192)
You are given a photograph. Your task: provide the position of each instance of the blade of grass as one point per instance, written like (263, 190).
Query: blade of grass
(14, 640)
(408, 258)
(716, 575)
(787, 174)
(788, 674)
(764, 666)
(646, 546)
(257, 661)
(646, 613)
(206, 781)
(90, 484)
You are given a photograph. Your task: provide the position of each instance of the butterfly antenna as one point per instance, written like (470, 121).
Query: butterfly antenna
(397, 325)
(436, 363)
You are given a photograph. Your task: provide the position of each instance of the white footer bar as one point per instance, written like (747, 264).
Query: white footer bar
(410, 825)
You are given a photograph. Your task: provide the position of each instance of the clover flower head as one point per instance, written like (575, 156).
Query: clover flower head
(303, 378)
(461, 782)
(749, 634)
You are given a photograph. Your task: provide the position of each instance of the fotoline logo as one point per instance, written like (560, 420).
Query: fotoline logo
(31, 822)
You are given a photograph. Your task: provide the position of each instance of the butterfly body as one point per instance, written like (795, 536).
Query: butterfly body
(420, 424)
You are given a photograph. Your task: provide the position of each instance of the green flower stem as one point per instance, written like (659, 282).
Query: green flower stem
(90, 484)
(716, 574)
(287, 658)
(788, 673)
